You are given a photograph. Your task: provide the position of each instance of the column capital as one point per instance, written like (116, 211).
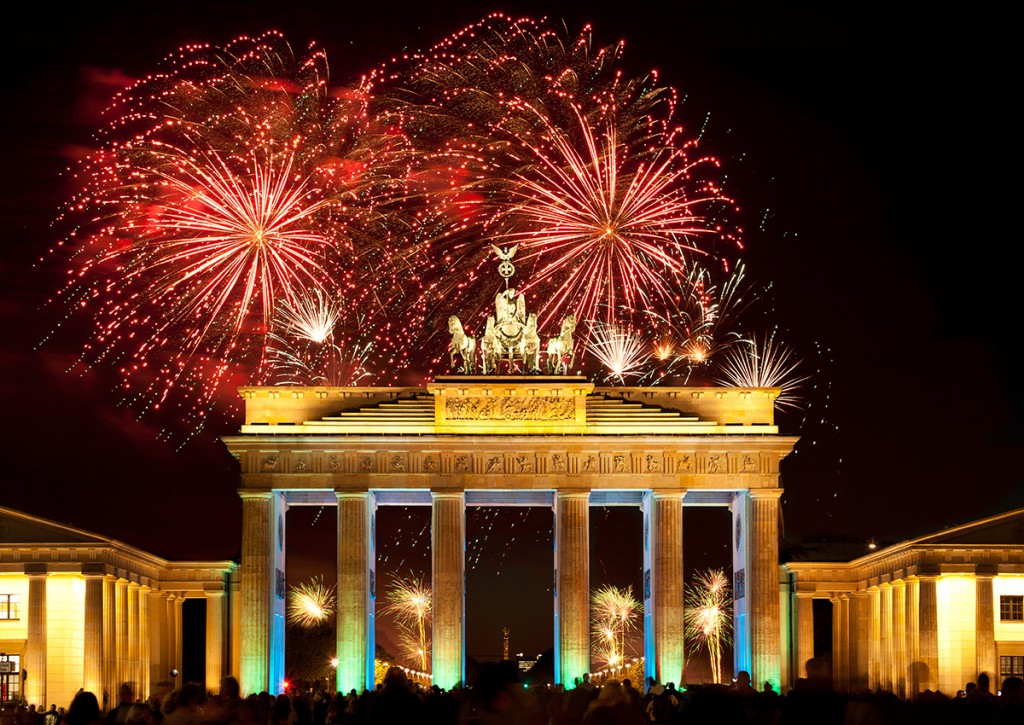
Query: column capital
(247, 494)
(898, 584)
(456, 495)
(349, 494)
(765, 493)
(561, 493)
(804, 594)
(213, 593)
(35, 570)
(668, 494)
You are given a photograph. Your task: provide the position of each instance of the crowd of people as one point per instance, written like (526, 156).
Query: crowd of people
(497, 697)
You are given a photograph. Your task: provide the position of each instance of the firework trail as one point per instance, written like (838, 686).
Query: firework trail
(228, 184)
(614, 613)
(409, 603)
(708, 616)
(244, 222)
(311, 603)
(765, 364)
(703, 325)
(532, 137)
(619, 350)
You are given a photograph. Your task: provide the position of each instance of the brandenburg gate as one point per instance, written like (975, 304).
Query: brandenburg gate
(522, 440)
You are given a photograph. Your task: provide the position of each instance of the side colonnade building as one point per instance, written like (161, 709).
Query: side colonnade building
(931, 613)
(79, 610)
(553, 441)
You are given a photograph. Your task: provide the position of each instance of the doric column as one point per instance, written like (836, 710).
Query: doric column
(860, 624)
(763, 586)
(133, 638)
(913, 645)
(92, 644)
(108, 697)
(159, 663)
(985, 632)
(846, 663)
(667, 584)
(572, 585)
(448, 553)
(172, 635)
(145, 652)
(257, 590)
(355, 660)
(214, 640)
(120, 636)
(928, 623)
(178, 604)
(899, 637)
(886, 644)
(804, 649)
(838, 653)
(35, 647)
(875, 638)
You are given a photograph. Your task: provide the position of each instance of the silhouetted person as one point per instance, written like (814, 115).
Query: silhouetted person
(612, 707)
(84, 710)
(742, 685)
(119, 714)
(395, 702)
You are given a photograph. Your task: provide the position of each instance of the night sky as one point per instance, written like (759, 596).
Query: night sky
(872, 156)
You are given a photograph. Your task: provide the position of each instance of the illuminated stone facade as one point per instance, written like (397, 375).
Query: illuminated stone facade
(557, 442)
(81, 610)
(929, 613)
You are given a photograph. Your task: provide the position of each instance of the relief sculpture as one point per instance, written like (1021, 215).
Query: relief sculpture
(513, 408)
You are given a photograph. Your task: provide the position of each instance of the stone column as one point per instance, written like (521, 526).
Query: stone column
(913, 645)
(256, 590)
(572, 585)
(667, 584)
(121, 636)
(178, 603)
(899, 637)
(133, 639)
(763, 586)
(448, 578)
(159, 664)
(928, 622)
(108, 697)
(171, 636)
(92, 645)
(804, 649)
(354, 511)
(846, 662)
(885, 647)
(875, 639)
(985, 632)
(35, 647)
(214, 640)
(838, 653)
(145, 654)
(859, 640)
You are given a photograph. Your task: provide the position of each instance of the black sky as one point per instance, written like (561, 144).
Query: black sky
(871, 151)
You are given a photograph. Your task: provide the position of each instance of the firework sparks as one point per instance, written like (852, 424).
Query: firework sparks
(310, 317)
(620, 351)
(614, 613)
(409, 603)
(708, 616)
(311, 603)
(701, 326)
(765, 364)
(228, 186)
(540, 139)
(600, 222)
